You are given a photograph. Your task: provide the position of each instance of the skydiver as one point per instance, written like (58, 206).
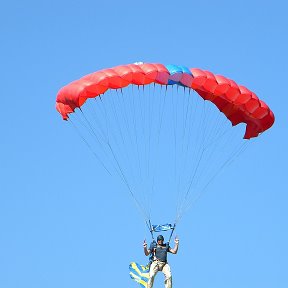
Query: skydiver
(159, 252)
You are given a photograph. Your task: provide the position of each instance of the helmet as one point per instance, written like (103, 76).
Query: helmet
(160, 237)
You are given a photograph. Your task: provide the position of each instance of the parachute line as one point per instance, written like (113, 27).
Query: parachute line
(89, 146)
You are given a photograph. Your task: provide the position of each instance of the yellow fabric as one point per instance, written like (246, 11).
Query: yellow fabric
(139, 273)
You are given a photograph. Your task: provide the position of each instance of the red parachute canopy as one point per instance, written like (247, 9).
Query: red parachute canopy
(239, 104)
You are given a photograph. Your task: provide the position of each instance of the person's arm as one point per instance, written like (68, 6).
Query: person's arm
(146, 251)
(175, 249)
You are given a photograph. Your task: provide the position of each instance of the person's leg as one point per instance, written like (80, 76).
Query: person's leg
(168, 276)
(152, 273)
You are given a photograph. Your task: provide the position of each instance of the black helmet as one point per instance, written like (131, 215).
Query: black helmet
(160, 237)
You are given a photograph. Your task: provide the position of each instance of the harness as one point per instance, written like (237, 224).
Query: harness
(154, 249)
(158, 228)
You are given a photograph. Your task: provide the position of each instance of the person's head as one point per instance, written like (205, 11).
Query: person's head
(160, 239)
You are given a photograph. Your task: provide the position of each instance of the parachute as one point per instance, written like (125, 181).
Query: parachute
(165, 143)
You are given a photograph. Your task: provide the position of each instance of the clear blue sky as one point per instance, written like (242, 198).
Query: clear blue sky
(64, 222)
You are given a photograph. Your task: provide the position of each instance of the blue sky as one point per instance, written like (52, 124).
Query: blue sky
(64, 221)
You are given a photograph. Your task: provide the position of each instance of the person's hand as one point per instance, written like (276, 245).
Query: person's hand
(176, 240)
(145, 243)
